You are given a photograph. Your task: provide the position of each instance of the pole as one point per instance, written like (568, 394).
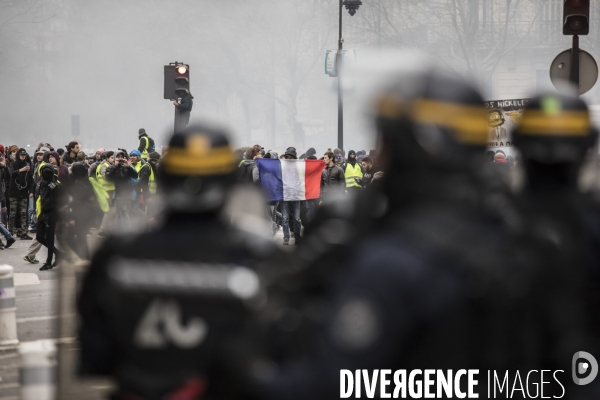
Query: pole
(340, 98)
(175, 124)
(574, 72)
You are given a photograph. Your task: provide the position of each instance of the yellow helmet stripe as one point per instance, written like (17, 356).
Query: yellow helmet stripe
(564, 123)
(180, 161)
(468, 123)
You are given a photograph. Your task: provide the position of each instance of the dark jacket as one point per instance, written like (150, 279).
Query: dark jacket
(143, 145)
(67, 158)
(49, 188)
(185, 105)
(145, 177)
(21, 183)
(121, 175)
(4, 181)
(189, 244)
(83, 199)
(333, 180)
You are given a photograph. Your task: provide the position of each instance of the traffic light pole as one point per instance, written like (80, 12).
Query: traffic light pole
(340, 98)
(574, 72)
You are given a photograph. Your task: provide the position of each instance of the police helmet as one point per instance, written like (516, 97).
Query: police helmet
(197, 170)
(554, 129)
(430, 119)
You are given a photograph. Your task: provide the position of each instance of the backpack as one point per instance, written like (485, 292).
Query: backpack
(92, 169)
(151, 145)
(244, 173)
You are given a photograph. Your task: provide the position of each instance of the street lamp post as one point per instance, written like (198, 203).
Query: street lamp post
(352, 7)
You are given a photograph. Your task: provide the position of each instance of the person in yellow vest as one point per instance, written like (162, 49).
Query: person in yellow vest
(109, 186)
(136, 160)
(148, 176)
(145, 144)
(352, 169)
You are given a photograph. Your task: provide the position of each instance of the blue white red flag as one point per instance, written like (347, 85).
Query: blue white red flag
(290, 180)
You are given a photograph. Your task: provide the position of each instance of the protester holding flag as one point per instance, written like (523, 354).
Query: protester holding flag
(290, 181)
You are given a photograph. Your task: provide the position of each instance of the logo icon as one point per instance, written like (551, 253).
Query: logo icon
(585, 368)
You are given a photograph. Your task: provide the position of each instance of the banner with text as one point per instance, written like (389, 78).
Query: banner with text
(503, 117)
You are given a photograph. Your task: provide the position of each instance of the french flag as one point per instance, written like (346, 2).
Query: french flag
(290, 180)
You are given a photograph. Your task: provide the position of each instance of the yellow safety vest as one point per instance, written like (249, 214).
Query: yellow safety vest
(106, 185)
(40, 165)
(138, 166)
(145, 151)
(351, 173)
(151, 180)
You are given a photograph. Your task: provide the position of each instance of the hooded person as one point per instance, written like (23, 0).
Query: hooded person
(47, 209)
(290, 153)
(353, 172)
(82, 211)
(19, 192)
(52, 157)
(360, 155)
(290, 210)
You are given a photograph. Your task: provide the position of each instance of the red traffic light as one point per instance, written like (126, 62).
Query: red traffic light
(576, 3)
(181, 69)
(576, 17)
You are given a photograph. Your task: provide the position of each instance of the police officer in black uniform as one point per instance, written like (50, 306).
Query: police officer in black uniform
(554, 138)
(444, 280)
(158, 308)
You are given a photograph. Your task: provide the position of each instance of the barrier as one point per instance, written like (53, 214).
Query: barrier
(8, 308)
(38, 370)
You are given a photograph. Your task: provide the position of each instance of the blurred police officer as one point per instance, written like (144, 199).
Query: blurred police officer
(554, 138)
(441, 282)
(158, 308)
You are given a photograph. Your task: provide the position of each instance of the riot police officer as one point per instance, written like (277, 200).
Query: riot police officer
(554, 138)
(443, 281)
(158, 308)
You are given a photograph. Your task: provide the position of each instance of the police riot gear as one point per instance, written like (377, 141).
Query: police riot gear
(437, 278)
(159, 308)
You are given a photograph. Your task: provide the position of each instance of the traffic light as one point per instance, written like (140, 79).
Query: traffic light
(576, 17)
(177, 80)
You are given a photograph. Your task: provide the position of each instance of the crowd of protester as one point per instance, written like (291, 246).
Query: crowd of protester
(66, 192)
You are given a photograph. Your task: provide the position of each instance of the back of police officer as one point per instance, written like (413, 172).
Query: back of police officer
(158, 308)
(554, 138)
(443, 281)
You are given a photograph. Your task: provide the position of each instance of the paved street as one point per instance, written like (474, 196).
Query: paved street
(37, 302)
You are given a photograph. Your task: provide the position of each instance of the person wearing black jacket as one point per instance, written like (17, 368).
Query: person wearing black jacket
(148, 175)
(48, 190)
(121, 173)
(19, 191)
(4, 180)
(333, 180)
(83, 210)
(184, 108)
(70, 155)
